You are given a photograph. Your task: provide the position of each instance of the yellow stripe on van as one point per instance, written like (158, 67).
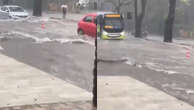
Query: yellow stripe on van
(108, 27)
(113, 16)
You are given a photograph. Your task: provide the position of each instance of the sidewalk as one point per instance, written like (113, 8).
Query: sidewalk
(22, 85)
(125, 93)
(180, 41)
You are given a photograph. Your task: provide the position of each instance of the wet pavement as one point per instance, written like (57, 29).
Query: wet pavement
(161, 65)
(115, 92)
(51, 45)
(61, 60)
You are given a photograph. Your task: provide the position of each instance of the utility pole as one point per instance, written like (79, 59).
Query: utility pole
(37, 9)
(95, 68)
(95, 76)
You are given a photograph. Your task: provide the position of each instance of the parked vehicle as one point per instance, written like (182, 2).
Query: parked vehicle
(87, 25)
(109, 26)
(14, 11)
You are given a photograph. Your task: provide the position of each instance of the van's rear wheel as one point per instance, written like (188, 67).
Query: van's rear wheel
(80, 32)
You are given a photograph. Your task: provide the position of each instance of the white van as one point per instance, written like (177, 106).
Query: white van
(14, 11)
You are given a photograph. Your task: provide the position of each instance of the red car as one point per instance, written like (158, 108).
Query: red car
(87, 25)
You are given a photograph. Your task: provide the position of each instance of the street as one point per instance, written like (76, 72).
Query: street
(53, 46)
(48, 60)
(160, 65)
(96, 55)
(50, 45)
(53, 49)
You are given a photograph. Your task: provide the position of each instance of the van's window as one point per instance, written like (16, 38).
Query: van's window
(113, 22)
(4, 9)
(16, 9)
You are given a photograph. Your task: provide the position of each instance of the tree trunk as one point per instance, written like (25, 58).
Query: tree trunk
(136, 17)
(138, 28)
(139, 17)
(119, 7)
(37, 10)
(169, 24)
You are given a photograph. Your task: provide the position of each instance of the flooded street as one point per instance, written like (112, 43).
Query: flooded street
(161, 65)
(53, 47)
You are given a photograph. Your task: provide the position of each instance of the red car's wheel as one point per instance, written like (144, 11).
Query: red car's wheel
(80, 32)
